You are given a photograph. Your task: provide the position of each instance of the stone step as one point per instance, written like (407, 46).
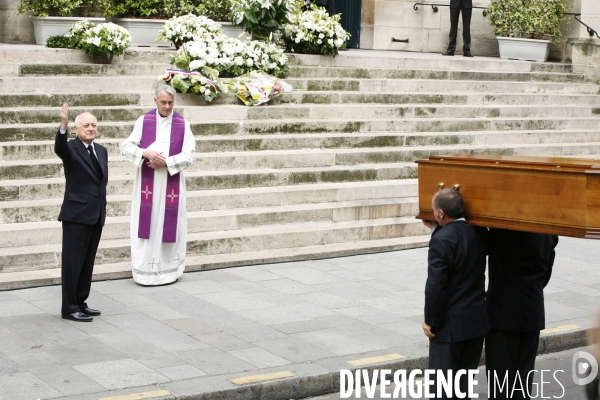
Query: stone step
(266, 127)
(420, 61)
(395, 73)
(117, 69)
(282, 160)
(47, 209)
(230, 113)
(44, 149)
(422, 85)
(15, 100)
(155, 69)
(37, 189)
(107, 84)
(28, 258)
(16, 280)
(49, 232)
(351, 58)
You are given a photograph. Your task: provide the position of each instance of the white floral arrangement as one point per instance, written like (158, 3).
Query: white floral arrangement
(204, 84)
(79, 27)
(232, 57)
(106, 38)
(187, 28)
(315, 32)
(262, 17)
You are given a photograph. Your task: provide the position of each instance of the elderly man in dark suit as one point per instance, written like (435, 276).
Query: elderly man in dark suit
(457, 7)
(520, 265)
(83, 211)
(455, 314)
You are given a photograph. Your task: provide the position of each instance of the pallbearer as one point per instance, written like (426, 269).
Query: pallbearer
(161, 146)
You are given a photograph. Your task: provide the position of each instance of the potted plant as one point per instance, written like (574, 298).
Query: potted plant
(55, 17)
(314, 32)
(262, 18)
(104, 41)
(524, 26)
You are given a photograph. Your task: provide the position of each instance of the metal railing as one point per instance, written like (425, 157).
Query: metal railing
(590, 30)
(436, 9)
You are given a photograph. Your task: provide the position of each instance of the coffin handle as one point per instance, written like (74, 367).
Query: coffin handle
(456, 186)
(441, 185)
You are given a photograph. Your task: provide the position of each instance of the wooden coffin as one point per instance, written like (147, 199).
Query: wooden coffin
(536, 194)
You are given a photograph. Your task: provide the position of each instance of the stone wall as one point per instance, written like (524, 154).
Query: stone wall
(14, 28)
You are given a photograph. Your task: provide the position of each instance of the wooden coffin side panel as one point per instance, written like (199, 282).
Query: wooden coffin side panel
(536, 200)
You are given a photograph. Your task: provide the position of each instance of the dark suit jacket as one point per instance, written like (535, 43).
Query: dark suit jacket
(520, 266)
(85, 193)
(465, 3)
(455, 288)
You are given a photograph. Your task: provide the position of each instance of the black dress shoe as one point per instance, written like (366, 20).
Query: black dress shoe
(448, 53)
(90, 311)
(78, 316)
(467, 54)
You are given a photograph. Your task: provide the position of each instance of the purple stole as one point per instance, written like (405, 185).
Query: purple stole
(172, 195)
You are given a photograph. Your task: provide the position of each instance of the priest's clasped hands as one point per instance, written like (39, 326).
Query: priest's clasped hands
(155, 159)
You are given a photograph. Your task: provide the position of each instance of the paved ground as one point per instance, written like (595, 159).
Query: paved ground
(302, 319)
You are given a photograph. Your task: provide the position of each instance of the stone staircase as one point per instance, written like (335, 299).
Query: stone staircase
(327, 170)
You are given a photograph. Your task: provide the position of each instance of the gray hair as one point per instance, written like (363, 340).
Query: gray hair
(165, 88)
(84, 113)
(450, 201)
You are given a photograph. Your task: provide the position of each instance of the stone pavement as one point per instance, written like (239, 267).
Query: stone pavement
(304, 320)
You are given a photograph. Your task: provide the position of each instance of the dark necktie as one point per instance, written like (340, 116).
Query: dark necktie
(95, 162)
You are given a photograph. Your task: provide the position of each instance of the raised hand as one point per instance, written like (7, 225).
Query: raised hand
(64, 117)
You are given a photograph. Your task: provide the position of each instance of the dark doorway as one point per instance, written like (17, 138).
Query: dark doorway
(350, 10)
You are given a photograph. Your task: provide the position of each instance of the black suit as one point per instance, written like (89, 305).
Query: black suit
(455, 296)
(82, 215)
(520, 266)
(457, 7)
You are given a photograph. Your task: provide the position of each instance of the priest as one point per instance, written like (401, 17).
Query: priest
(161, 146)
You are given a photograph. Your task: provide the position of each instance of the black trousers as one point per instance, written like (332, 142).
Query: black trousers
(80, 243)
(466, 18)
(505, 354)
(454, 356)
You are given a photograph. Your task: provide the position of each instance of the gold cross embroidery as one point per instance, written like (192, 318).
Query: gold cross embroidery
(146, 192)
(172, 195)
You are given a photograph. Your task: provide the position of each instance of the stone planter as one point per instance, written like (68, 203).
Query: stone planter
(143, 32)
(44, 27)
(523, 49)
(232, 31)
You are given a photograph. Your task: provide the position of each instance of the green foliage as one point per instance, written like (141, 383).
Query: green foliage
(53, 8)
(217, 10)
(531, 19)
(214, 9)
(63, 42)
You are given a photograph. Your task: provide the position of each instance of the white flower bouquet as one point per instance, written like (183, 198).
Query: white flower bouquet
(315, 32)
(187, 28)
(231, 56)
(79, 27)
(107, 38)
(256, 88)
(205, 85)
(261, 18)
